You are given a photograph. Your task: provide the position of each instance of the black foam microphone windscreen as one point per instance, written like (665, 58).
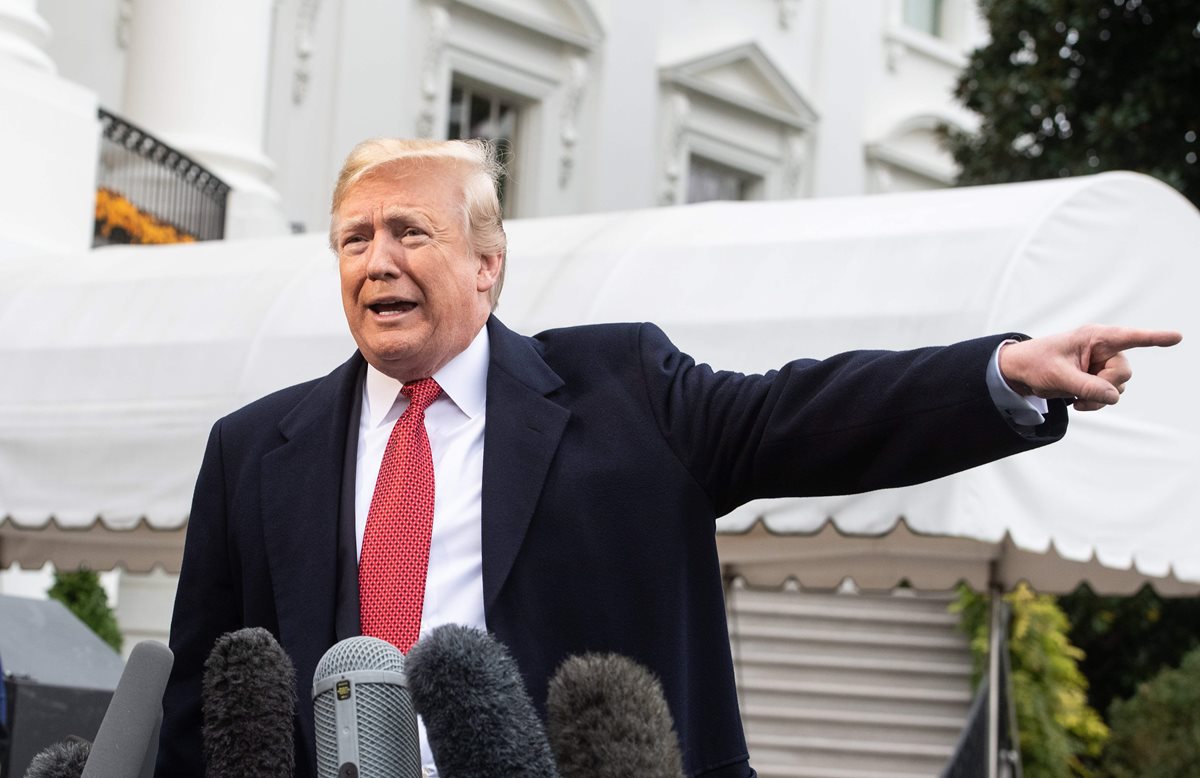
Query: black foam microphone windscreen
(64, 759)
(126, 745)
(477, 713)
(365, 723)
(248, 698)
(608, 718)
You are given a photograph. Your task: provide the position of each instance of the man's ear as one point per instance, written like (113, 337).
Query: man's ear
(490, 266)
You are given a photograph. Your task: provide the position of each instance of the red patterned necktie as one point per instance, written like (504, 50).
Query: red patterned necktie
(395, 549)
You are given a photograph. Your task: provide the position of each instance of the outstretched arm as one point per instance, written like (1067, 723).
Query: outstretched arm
(1086, 366)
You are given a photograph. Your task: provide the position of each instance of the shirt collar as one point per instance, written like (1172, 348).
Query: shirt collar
(463, 380)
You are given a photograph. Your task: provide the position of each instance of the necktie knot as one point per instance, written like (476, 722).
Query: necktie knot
(421, 393)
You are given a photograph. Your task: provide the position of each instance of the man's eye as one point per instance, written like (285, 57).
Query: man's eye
(413, 232)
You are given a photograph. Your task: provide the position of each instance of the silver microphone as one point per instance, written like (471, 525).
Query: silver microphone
(365, 723)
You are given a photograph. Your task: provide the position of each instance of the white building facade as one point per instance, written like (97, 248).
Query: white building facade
(606, 104)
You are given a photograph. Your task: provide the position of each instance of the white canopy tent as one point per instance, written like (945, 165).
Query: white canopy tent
(117, 362)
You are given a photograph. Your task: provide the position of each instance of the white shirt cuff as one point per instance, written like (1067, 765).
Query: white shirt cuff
(1023, 411)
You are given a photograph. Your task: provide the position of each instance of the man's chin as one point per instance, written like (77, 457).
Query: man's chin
(401, 364)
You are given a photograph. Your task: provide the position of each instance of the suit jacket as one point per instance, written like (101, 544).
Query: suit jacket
(608, 454)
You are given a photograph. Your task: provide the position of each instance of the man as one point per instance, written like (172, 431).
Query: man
(569, 481)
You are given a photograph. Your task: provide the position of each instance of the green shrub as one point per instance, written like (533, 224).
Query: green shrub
(83, 595)
(1056, 725)
(1156, 732)
(1128, 640)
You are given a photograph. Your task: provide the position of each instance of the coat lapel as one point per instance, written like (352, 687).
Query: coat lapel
(522, 433)
(301, 487)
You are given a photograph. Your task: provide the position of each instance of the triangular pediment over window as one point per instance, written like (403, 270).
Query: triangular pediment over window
(915, 145)
(745, 77)
(571, 21)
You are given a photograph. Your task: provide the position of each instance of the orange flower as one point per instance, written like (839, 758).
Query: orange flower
(115, 212)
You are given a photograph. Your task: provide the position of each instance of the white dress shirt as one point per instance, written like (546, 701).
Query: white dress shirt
(454, 423)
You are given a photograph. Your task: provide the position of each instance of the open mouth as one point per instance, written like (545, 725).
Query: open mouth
(392, 307)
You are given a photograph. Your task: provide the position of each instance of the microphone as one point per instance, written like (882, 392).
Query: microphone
(608, 718)
(126, 745)
(64, 759)
(248, 699)
(478, 716)
(365, 723)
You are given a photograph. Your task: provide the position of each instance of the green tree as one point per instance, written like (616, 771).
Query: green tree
(1060, 733)
(1156, 733)
(83, 595)
(1068, 87)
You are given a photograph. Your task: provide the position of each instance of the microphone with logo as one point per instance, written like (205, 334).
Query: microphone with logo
(365, 723)
(608, 718)
(248, 698)
(477, 713)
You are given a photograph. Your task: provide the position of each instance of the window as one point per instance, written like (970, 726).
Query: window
(708, 180)
(924, 15)
(732, 127)
(477, 112)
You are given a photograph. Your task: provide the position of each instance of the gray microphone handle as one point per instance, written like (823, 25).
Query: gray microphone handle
(128, 738)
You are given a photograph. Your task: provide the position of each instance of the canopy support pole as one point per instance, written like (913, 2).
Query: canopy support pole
(996, 603)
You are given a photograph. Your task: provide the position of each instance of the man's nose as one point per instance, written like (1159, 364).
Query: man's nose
(385, 256)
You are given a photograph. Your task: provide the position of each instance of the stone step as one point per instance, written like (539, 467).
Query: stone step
(843, 607)
(807, 633)
(856, 678)
(769, 770)
(882, 663)
(752, 681)
(826, 753)
(807, 696)
(904, 726)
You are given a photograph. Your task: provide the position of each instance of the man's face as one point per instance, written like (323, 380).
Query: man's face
(414, 293)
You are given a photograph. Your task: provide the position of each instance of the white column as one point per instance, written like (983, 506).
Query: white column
(16, 581)
(49, 139)
(23, 34)
(144, 605)
(196, 75)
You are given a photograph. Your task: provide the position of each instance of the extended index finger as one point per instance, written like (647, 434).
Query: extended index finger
(1121, 338)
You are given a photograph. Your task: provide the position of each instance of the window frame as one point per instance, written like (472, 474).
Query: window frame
(510, 187)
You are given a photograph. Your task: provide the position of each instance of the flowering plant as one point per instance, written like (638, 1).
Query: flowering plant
(120, 221)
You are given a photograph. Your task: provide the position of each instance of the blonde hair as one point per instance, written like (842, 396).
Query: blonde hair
(482, 219)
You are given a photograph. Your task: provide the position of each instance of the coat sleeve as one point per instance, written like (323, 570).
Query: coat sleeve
(851, 423)
(206, 606)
